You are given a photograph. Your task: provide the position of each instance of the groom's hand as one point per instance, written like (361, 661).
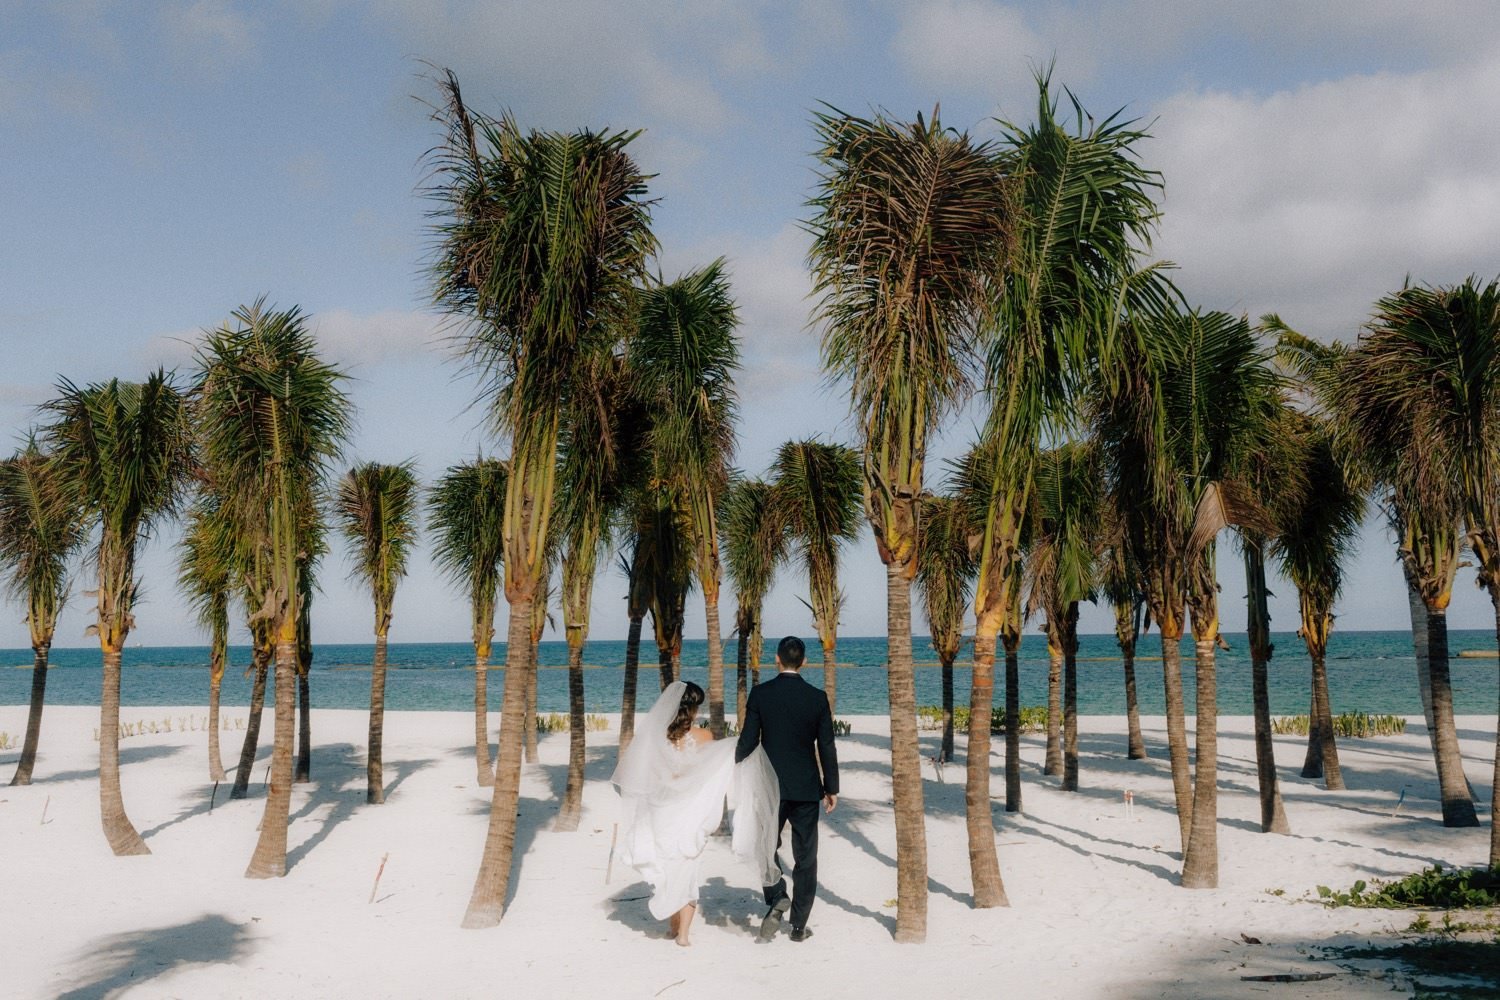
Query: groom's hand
(829, 801)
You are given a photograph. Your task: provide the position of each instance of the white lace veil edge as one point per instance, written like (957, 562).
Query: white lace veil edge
(639, 769)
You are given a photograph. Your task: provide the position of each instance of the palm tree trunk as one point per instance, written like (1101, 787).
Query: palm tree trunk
(1200, 863)
(269, 859)
(632, 668)
(304, 728)
(1458, 807)
(483, 767)
(1012, 721)
(715, 667)
(667, 667)
(1494, 588)
(34, 716)
(1136, 742)
(374, 771)
(1420, 642)
(906, 763)
(1272, 813)
(1328, 754)
(260, 661)
(118, 830)
(1070, 700)
(831, 673)
(755, 651)
(946, 754)
(530, 720)
(487, 902)
(741, 678)
(572, 801)
(984, 864)
(1054, 762)
(215, 685)
(1177, 746)
(1312, 760)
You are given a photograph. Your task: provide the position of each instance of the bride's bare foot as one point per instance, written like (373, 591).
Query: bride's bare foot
(681, 921)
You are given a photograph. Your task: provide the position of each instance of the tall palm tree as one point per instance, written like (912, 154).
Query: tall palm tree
(945, 580)
(542, 241)
(1063, 571)
(638, 602)
(1317, 534)
(682, 362)
(755, 543)
(40, 530)
(376, 509)
(818, 490)
(1085, 208)
(122, 451)
(209, 568)
(1121, 586)
(911, 221)
(272, 417)
(669, 580)
(1195, 397)
(465, 510)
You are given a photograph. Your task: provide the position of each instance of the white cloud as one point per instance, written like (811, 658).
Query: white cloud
(970, 45)
(346, 337)
(1314, 201)
(209, 34)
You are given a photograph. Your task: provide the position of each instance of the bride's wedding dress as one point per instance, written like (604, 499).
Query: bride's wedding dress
(672, 799)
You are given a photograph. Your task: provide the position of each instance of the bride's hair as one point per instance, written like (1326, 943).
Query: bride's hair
(691, 699)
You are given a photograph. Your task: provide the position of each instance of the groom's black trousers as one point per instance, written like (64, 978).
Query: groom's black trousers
(804, 819)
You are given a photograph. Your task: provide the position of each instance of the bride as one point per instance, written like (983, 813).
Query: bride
(673, 780)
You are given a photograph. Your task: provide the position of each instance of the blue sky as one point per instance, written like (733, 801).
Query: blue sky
(164, 163)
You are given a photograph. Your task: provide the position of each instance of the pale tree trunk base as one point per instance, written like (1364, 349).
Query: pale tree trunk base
(1272, 811)
(1182, 781)
(984, 862)
(27, 762)
(251, 743)
(1200, 865)
(215, 755)
(123, 838)
(906, 765)
(269, 859)
(1453, 785)
(375, 761)
(484, 769)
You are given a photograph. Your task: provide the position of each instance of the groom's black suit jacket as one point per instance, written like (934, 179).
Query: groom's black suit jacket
(788, 716)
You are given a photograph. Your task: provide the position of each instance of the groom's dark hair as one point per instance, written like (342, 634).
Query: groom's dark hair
(790, 651)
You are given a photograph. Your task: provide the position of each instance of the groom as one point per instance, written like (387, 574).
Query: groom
(790, 717)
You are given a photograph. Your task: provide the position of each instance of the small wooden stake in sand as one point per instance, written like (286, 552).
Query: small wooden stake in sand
(1129, 804)
(378, 872)
(609, 869)
(44, 810)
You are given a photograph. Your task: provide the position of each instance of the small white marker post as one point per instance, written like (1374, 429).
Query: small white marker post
(378, 872)
(1129, 804)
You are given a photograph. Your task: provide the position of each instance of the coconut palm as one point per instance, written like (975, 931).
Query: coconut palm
(1120, 584)
(1062, 570)
(755, 543)
(669, 581)
(910, 226)
(40, 530)
(122, 452)
(682, 361)
(209, 567)
(1194, 398)
(262, 652)
(272, 417)
(945, 580)
(542, 240)
(1085, 210)
(464, 518)
(376, 511)
(818, 492)
(638, 602)
(1317, 533)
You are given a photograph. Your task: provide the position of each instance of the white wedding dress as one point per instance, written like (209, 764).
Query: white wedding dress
(672, 799)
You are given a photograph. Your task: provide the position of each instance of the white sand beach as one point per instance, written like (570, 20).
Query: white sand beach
(1095, 908)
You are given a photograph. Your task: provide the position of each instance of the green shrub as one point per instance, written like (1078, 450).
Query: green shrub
(841, 728)
(1033, 718)
(1435, 887)
(554, 722)
(1356, 725)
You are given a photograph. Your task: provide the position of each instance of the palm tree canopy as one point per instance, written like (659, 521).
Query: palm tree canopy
(946, 565)
(1068, 517)
(818, 487)
(376, 506)
(212, 561)
(465, 514)
(755, 539)
(40, 530)
(1318, 524)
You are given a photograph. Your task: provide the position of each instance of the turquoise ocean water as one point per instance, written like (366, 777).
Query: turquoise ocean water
(1367, 671)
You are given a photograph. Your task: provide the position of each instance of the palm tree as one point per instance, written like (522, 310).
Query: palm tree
(464, 517)
(1085, 210)
(669, 580)
(40, 530)
(1193, 399)
(208, 569)
(1120, 584)
(638, 602)
(376, 508)
(911, 223)
(1317, 534)
(682, 362)
(1063, 572)
(122, 452)
(818, 490)
(272, 417)
(542, 240)
(755, 542)
(945, 580)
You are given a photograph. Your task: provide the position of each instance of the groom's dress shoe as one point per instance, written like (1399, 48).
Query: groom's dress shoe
(772, 922)
(801, 933)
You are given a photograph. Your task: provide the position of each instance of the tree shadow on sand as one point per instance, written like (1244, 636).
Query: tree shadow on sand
(128, 756)
(342, 785)
(114, 964)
